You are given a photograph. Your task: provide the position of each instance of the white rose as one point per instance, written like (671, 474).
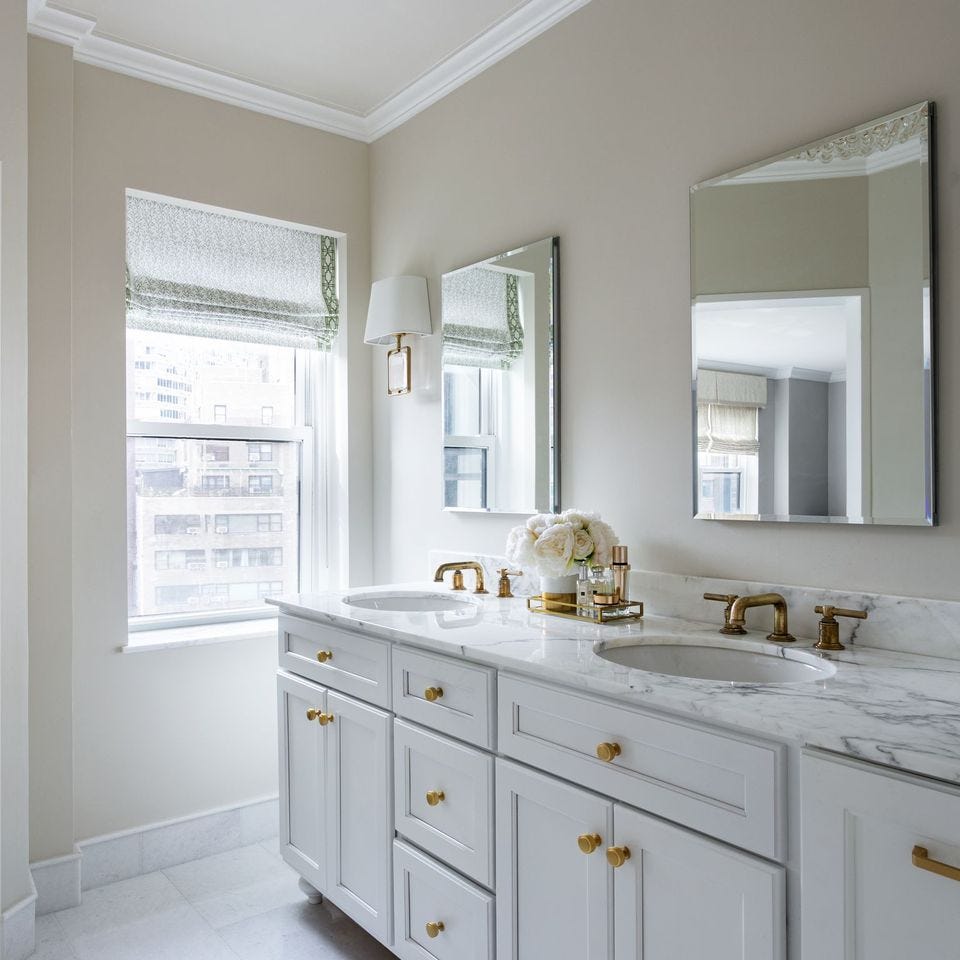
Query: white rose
(604, 540)
(583, 545)
(520, 543)
(553, 550)
(540, 521)
(579, 518)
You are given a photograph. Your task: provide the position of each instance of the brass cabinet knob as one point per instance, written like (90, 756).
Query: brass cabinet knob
(435, 928)
(313, 714)
(433, 693)
(608, 752)
(617, 856)
(435, 796)
(324, 655)
(588, 842)
(324, 718)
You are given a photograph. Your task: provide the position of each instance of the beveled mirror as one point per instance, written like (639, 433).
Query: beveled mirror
(499, 326)
(812, 278)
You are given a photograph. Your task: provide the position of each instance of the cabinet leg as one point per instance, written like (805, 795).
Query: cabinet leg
(313, 894)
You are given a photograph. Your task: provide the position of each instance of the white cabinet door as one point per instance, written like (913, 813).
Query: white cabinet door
(863, 898)
(301, 776)
(553, 901)
(359, 813)
(679, 895)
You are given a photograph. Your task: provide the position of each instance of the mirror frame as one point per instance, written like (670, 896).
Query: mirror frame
(554, 458)
(931, 456)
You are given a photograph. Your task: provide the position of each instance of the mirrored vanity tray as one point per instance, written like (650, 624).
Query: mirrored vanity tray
(607, 613)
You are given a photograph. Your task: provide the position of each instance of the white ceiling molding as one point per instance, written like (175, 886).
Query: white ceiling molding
(511, 33)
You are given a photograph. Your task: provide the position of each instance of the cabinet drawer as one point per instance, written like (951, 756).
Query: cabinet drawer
(427, 893)
(457, 826)
(727, 787)
(463, 695)
(351, 662)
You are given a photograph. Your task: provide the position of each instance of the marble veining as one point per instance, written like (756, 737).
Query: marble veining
(897, 709)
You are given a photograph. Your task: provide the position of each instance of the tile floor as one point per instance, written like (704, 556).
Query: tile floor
(242, 904)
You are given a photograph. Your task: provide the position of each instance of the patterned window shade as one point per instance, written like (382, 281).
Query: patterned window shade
(210, 274)
(481, 319)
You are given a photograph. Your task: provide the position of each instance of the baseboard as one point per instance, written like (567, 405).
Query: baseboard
(18, 929)
(119, 856)
(58, 883)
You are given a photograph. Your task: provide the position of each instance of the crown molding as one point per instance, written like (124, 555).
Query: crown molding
(491, 46)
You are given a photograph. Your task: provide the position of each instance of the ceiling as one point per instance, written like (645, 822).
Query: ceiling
(364, 67)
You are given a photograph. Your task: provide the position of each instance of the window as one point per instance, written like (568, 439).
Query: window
(228, 318)
(469, 418)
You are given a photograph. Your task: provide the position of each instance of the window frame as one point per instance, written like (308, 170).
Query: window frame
(310, 391)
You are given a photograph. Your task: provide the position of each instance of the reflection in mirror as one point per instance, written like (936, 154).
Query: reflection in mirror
(500, 390)
(812, 345)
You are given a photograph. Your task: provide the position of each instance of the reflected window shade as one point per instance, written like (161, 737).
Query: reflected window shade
(481, 319)
(729, 429)
(208, 274)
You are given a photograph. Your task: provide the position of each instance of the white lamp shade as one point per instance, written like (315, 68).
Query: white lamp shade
(397, 305)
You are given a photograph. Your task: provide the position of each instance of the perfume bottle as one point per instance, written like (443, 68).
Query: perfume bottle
(621, 572)
(603, 586)
(584, 590)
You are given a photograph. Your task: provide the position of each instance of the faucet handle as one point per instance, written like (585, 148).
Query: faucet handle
(728, 629)
(829, 638)
(503, 590)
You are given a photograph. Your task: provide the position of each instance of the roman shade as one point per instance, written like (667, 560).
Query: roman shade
(481, 318)
(728, 411)
(205, 273)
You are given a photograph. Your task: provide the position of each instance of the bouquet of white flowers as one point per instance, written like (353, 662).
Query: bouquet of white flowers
(551, 543)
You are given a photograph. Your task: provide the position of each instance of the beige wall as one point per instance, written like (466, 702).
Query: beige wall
(14, 876)
(172, 733)
(595, 131)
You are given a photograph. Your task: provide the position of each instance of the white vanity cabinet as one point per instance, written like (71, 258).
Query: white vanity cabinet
(867, 895)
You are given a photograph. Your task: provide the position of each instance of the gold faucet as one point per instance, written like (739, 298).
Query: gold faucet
(830, 629)
(726, 598)
(503, 588)
(458, 569)
(739, 607)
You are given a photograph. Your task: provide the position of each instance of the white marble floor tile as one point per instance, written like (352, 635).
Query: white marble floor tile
(302, 932)
(174, 933)
(121, 903)
(52, 942)
(232, 886)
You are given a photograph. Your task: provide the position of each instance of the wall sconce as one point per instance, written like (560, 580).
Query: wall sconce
(398, 307)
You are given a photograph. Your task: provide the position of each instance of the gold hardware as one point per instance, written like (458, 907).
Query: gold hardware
(617, 613)
(503, 589)
(588, 842)
(458, 569)
(402, 355)
(433, 693)
(324, 655)
(435, 796)
(435, 927)
(313, 714)
(739, 607)
(617, 856)
(830, 629)
(728, 629)
(608, 752)
(324, 718)
(921, 859)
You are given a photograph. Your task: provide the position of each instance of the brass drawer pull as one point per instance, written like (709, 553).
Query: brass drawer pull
(617, 856)
(324, 655)
(433, 693)
(313, 714)
(588, 842)
(921, 859)
(608, 752)
(435, 796)
(434, 928)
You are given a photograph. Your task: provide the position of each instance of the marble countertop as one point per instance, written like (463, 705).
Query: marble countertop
(901, 710)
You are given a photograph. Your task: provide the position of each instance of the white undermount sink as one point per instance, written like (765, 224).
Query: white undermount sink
(698, 660)
(407, 601)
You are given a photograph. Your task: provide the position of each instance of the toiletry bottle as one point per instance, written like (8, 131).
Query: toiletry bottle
(584, 590)
(621, 572)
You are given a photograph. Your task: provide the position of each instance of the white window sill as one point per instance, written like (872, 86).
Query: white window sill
(167, 638)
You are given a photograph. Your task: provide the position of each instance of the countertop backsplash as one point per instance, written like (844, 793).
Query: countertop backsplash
(905, 624)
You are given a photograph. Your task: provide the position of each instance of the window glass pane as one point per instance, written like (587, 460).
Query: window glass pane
(465, 477)
(461, 409)
(180, 379)
(207, 529)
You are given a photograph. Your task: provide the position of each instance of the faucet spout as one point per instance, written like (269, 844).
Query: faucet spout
(458, 569)
(739, 608)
